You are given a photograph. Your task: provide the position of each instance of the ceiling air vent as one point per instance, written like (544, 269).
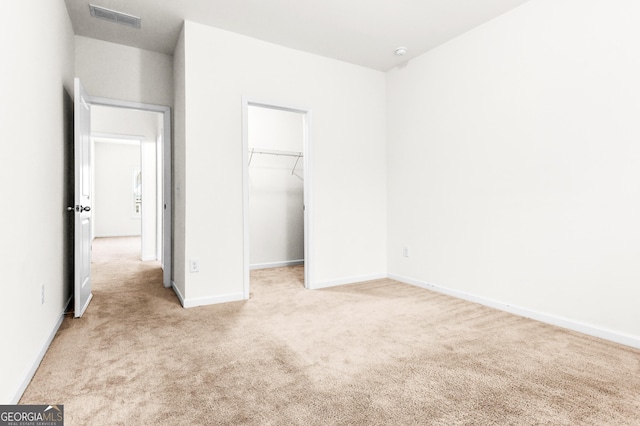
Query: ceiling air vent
(113, 16)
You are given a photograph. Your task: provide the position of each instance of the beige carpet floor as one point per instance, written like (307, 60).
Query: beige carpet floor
(375, 353)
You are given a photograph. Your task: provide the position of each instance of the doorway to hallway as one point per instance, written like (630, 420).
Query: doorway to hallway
(87, 107)
(127, 176)
(162, 152)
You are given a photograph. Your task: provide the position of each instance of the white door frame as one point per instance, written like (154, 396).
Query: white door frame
(167, 258)
(307, 187)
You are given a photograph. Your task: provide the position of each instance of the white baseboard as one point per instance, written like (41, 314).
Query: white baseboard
(203, 301)
(31, 371)
(343, 281)
(622, 338)
(276, 264)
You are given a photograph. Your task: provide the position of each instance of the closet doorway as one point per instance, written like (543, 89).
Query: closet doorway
(277, 188)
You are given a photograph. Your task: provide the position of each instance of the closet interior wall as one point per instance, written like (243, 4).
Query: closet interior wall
(276, 215)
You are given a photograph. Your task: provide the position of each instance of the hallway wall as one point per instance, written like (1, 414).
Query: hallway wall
(113, 200)
(36, 132)
(116, 71)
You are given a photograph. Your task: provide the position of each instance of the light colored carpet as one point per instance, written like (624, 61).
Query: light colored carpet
(365, 354)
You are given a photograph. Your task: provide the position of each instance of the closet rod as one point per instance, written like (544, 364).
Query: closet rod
(275, 152)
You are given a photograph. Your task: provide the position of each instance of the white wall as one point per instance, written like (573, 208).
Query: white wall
(348, 107)
(513, 163)
(113, 213)
(110, 70)
(276, 196)
(35, 114)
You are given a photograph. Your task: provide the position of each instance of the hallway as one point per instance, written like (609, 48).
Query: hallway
(116, 266)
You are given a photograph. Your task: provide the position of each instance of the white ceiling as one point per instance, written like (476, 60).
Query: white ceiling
(363, 32)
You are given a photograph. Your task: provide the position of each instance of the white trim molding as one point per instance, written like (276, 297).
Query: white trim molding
(213, 300)
(31, 371)
(277, 264)
(116, 235)
(203, 301)
(613, 336)
(350, 280)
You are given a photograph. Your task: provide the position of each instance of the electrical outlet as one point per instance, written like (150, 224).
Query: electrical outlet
(405, 251)
(42, 294)
(194, 265)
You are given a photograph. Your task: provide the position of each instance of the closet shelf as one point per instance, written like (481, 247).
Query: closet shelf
(296, 154)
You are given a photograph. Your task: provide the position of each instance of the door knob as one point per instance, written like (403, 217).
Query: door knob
(79, 209)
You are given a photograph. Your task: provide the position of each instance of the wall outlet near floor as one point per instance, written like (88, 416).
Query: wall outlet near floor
(42, 294)
(194, 265)
(405, 251)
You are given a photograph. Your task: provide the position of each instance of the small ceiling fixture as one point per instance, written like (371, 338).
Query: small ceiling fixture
(114, 16)
(400, 51)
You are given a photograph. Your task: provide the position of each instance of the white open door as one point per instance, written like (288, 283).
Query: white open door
(82, 221)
